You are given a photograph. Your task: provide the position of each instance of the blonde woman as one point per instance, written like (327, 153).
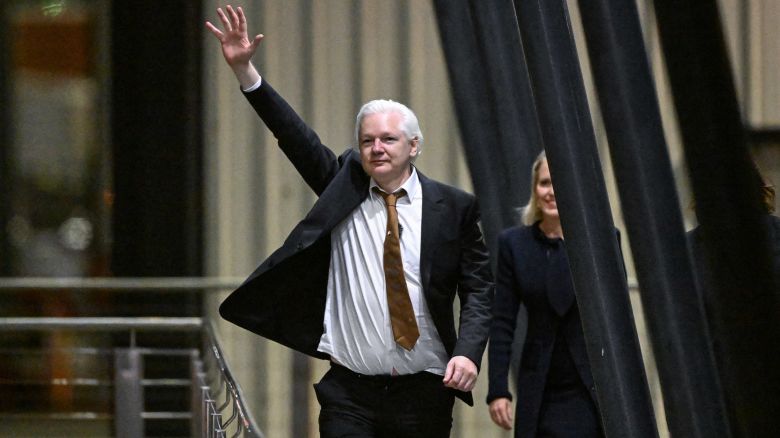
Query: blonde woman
(555, 391)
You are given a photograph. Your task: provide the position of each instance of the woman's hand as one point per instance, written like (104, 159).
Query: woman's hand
(501, 412)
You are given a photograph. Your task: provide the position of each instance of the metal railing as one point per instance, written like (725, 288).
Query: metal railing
(140, 284)
(217, 407)
(209, 389)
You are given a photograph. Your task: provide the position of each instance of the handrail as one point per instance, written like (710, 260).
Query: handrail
(216, 424)
(136, 284)
(101, 323)
(248, 422)
(161, 284)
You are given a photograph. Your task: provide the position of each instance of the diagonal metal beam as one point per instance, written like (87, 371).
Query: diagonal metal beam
(742, 298)
(673, 309)
(594, 254)
(493, 106)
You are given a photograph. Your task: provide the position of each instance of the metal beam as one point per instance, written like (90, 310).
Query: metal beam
(492, 102)
(594, 254)
(672, 305)
(742, 299)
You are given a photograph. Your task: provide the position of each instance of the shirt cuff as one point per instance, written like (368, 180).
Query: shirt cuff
(255, 86)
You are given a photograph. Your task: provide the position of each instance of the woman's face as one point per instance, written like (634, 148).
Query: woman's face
(545, 195)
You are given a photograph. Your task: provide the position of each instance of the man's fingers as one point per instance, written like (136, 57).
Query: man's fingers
(234, 21)
(461, 381)
(223, 18)
(454, 381)
(241, 19)
(461, 374)
(470, 383)
(256, 41)
(448, 373)
(217, 33)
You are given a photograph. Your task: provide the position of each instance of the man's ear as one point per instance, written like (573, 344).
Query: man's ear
(414, 143)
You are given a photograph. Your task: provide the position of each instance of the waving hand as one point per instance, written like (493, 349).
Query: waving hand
(237, 48)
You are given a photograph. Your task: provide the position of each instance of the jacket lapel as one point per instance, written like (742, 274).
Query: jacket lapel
(350, 188)
(431, 224)
(347, 190)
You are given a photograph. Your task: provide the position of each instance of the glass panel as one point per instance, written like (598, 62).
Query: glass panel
(60, 199)
(57, 200)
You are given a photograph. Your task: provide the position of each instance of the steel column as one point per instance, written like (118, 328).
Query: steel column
(743, 302)
(594, 254)
(515, 124)
(673, 308)
(492, 102)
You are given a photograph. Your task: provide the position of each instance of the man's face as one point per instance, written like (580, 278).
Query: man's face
(385, 152)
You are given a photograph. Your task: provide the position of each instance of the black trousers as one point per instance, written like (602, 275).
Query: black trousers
(356, 405)
(569, 413)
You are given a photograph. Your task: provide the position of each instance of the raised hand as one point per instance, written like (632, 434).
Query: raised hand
(237, 48)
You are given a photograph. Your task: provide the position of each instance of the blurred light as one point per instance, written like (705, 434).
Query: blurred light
(108, 197)
(53, 8)
(76, 233)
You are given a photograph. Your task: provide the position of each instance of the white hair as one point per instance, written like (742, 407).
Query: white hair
(409, 124)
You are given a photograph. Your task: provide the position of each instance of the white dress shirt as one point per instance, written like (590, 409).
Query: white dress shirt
(357, 330)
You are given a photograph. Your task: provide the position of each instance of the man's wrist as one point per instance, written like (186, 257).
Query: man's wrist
(247, 75)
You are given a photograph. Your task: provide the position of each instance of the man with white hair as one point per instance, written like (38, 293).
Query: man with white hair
(368, 279)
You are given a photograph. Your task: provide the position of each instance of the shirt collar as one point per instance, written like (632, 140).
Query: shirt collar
(411, 185)
(539, 234)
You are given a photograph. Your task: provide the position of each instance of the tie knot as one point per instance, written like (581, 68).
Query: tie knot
(390, 198)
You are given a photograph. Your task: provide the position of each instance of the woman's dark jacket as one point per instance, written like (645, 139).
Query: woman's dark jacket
(533, 269)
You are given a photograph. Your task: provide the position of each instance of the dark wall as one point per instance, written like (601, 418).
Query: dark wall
(156, 139)
(5, 141)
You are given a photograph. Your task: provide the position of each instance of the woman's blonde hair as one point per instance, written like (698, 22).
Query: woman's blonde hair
(531, 212)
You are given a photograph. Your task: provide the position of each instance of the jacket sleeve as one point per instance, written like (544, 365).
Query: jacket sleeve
(502, 330)
(475, 289)
(314, 161)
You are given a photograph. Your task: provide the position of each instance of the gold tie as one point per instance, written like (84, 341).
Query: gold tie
(402, 317)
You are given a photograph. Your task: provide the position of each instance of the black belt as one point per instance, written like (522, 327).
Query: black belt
(382, 379)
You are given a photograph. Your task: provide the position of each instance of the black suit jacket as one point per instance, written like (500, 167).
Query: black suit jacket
(284, 298)
(522, 275)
